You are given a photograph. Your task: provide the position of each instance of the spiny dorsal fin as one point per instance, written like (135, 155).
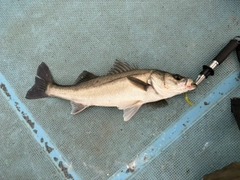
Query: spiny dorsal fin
(85, 76)
(120, 67)
(138, 83)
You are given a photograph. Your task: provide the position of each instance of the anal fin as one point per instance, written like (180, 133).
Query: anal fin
(77, 107)
(129, 112)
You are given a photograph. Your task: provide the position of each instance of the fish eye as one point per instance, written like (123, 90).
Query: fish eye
(177, 77)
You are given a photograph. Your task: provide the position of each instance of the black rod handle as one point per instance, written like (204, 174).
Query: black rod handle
(226, 51)
(238, 52)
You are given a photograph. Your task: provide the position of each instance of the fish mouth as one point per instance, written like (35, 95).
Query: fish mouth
(190, 84)
(193, 85)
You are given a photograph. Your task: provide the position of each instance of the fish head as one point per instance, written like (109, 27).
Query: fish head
(168, 85)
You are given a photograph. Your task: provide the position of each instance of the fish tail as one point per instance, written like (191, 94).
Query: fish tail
(42, 80)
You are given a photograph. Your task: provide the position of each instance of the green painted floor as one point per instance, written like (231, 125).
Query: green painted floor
(40, 139)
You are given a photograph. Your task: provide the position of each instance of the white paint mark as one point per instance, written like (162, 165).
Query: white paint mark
(69, 166)
(205, 146)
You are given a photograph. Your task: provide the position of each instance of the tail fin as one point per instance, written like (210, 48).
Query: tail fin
(42, 80)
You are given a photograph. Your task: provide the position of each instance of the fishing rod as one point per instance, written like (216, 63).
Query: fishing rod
(209, 70)
(222, 55)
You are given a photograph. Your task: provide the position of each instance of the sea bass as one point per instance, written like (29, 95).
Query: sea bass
(125, 87)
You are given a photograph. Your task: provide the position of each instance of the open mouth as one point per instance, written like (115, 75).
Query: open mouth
(193, 85)
(190, 84)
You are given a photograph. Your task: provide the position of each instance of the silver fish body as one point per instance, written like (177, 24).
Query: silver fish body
(124, 87)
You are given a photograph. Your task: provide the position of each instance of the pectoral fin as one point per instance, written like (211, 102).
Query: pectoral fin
(138, 83)
(129, 112)
(77, 107)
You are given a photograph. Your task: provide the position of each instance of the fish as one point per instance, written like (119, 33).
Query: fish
(125, 87)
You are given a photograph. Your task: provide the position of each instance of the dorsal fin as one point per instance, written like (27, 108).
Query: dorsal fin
(120, 67)
(85, 76)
